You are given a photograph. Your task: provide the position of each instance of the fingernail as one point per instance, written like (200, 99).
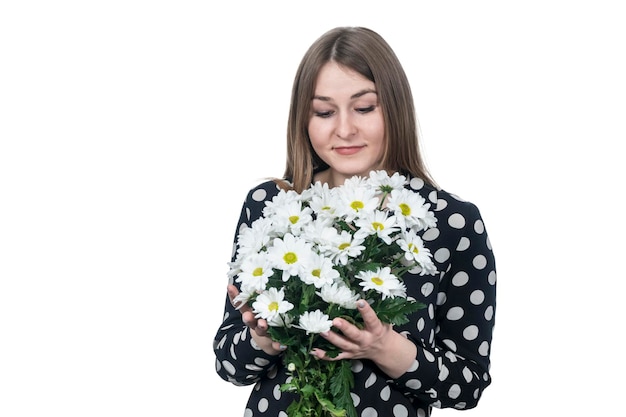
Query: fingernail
(360, 304)
(282, 347)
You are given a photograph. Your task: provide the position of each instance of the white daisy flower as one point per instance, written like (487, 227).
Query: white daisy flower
(292, 217)
(411, 209)
(314, 322)
(290, 254)
(382, 281)
(343, 247)
(322, 200)
(339, 293)
(414, 250)
(319, 272)
(281, 199)
(377, 223)
(272, 306)
(354, 200)
(255, 272)
(252, 239)
(382, 182)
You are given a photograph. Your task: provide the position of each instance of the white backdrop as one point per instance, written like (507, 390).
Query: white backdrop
(131, 131)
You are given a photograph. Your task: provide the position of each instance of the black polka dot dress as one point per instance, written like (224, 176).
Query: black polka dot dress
(453, 334)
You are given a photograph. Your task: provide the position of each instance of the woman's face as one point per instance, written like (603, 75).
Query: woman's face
(346, 127)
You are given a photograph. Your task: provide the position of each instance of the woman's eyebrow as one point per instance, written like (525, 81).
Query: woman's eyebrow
(356, 95)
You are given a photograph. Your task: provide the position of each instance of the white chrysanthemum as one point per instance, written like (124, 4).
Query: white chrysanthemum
(290, 254)
(414, 250)
(382, 281)
(411, 209)
(319, 272)
(242, 298)
(292, 217)
(377, 223)
(339, 293)
(314, 322)
(255, 272)
(322, 200)
(272, 306)
(343, 246)
(252, 239)
(281, 199)
(382, 182)
(354, 200)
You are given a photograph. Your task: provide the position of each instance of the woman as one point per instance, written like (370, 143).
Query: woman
(352, 112)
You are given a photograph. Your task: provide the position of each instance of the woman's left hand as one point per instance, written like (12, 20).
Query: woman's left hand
(377, 341)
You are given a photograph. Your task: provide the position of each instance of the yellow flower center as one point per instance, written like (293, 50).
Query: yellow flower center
(257, 272)
(316, 273)
(413, 248)
(405, 209)
(273, 306)
(344, 245)
(290, 258)
(294, 219)
(326, 208)
(377, 280)
(378, 226)
(357, 205)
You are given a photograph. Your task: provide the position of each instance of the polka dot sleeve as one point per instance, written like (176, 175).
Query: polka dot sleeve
(238, 359)
(452, 365)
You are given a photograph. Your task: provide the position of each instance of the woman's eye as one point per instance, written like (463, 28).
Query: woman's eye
(323, 114)
(365, 109)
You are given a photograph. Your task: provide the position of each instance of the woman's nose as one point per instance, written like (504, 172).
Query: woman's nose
(346, 127)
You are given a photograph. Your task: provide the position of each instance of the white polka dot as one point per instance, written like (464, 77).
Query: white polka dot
(421, 413)
(479, 262)
(460, 278)
(477, 297)
(248, 413)
(451, 345)
(259, 195)
(443, 373)
(356, 400)
(456, 221)
(429, 356)
(455, 313)
(420, 324)
(464, 243)
(479, 227)
(416, 183)
(427, 289)
(467, 374)
(483, 349)
(228, 367)
(442, 255)
(276, 392)
(369, 412)
(357, 366)
(441, 298)
(385, 394)
(430, 235)
(414, 384)
(400, 410)
(470, 332)
(371, 380)
(283, 414)
(492, 278)
(414, 366)
(489, 313)
(441, 204)
(454, 391)
(263, 404)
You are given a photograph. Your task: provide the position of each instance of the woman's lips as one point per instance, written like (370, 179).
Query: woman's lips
(348, 150)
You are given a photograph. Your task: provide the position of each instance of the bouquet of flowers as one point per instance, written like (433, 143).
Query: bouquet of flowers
(311, 256)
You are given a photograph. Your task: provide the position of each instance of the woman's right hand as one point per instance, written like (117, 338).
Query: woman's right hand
(258, 327)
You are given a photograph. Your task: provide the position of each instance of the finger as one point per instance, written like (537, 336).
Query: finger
(232, 293)
(370, 319)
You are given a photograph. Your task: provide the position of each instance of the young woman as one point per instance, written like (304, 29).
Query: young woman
(352, 112)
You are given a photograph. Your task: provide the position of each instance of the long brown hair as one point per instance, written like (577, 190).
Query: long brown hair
(366, 52)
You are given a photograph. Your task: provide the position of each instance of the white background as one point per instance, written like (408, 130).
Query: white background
(131, 131)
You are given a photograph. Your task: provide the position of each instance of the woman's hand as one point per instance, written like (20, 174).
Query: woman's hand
(393, 353)
(258, 327)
